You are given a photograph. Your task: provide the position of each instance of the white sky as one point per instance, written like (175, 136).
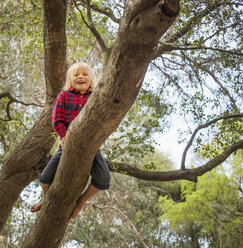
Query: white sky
(168, 141)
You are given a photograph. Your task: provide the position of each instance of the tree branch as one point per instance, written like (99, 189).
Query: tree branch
(180, 33)
(224, 90)
(163, 176)
(114, 95)
(171, 80)
(107, 12)
(3, 141)
(170, 47)
(12, 99)
(227, 93)
(91, 26)
(136, 232)
(199, 128)
(8, 110)
(221, 29)
(187, 174)
(219, 159)
(19, 169)
(115, 226)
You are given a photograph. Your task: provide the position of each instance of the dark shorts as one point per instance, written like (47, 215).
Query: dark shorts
(100, 173)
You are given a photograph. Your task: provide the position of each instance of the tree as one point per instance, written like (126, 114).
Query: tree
(21, 166)
(119, 216)
(210, 212)
(125, 64)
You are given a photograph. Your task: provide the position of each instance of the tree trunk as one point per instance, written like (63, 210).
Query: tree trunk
(141, 27)
(23, 164)
(194, 237)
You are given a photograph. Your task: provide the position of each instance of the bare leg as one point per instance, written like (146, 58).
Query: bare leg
(89, 192)
(37, 206)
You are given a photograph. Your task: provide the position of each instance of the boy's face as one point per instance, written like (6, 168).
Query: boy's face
(81, 80)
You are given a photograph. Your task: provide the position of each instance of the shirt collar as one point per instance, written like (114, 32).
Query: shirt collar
(72, 89)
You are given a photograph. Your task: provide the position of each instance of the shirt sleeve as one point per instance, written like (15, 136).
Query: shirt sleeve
(58, 115)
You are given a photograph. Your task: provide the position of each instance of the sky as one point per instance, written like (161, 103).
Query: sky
(168, 144)
(168, 141)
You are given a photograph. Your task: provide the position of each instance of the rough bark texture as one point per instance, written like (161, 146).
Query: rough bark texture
(141, 27)
(22, 166)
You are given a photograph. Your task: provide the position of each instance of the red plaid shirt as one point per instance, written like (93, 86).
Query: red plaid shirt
(66, 107)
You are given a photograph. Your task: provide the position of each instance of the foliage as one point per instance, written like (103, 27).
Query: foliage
(211, 211)
(133, 139)
(21, 220)
(21, 73)
(226, 132)
(200, 75)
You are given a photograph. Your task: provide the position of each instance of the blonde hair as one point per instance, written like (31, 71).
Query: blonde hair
(72, 71)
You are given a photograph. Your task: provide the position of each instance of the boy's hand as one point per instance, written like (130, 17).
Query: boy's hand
(62, 142)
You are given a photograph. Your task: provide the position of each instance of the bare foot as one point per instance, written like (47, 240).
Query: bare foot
(78, 207)
(36, 207)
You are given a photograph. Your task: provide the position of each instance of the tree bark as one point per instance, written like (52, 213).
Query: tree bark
(23, 164)
(141, 27)
(187, 174)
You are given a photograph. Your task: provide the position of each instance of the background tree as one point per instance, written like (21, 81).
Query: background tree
(210, 212)
(20, 168)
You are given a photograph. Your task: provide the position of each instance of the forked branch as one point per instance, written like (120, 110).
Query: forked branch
(107, 11)
(184, 30)
(91, 26)
(186, 174)
(12, 100)
(207, 124)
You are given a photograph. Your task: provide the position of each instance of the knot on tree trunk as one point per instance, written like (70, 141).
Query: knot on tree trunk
(170, 8)
(150, 22)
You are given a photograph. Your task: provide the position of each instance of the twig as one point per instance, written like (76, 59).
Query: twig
(171, 79)
(12, 100)
(91, 26)
(199, 128)
(225, 91)
(109, 13)
(115, 226)
(223, 88)
(34, 5)
(7, 94)
(138, 235)
(170, 47)
(188, 26)
(221, 29)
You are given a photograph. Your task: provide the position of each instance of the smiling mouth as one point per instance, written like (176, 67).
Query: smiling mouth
(81, 82)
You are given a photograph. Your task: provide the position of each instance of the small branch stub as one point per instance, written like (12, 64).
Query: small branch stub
(170, 8)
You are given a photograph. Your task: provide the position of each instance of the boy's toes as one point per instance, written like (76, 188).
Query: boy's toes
(36, 207)
(75, 213)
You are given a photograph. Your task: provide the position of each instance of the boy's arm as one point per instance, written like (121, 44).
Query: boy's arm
(58, 116)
